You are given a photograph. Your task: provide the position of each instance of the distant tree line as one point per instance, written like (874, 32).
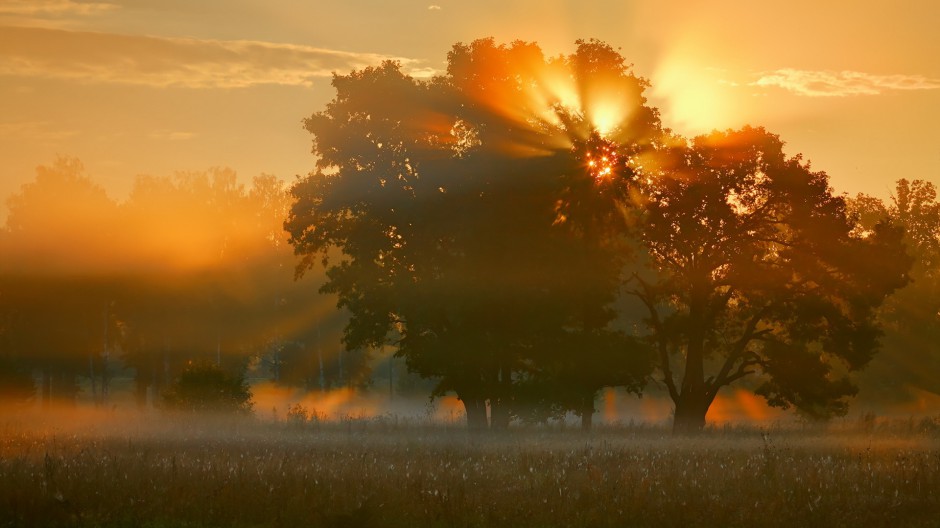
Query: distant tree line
(910, 319)
(188, 270)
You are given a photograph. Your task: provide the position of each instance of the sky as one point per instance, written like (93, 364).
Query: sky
(157, 86)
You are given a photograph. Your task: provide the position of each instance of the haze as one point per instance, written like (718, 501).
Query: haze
(152, 87)
(165, 134)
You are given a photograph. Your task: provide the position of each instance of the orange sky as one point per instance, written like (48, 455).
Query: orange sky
(155, 86)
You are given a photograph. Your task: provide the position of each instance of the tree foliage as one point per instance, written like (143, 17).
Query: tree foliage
(458, 218)
(757, 271)
(484, 219)
(911, 317)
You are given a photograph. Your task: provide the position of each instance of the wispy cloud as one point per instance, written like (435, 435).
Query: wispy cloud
(53, 7)
(35, 131)
(434, 8)
(171, 135)
(156, 61)
(842, 83)
(423, 73)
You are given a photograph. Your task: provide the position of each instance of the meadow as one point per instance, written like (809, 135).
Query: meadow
(157, 471)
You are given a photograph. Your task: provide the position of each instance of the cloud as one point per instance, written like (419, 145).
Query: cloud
(35, 131)
(423, 73)
(170, 135)
(842, 83)
(157, 61)
(53, 7)
(434, 8)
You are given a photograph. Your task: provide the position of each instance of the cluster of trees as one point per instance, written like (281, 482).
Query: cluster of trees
(522, 230)
(525, 232)
(911, 317)
(188, 269)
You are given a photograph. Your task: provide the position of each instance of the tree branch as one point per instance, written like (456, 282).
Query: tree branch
(742, 370)
(646, 297)
(724, 376)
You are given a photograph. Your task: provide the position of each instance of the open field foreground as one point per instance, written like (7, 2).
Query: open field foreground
(383, 473)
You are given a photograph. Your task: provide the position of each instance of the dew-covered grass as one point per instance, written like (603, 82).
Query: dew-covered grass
(149, 472)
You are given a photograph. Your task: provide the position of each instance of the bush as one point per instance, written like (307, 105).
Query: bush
(300, 416)
(204, 386)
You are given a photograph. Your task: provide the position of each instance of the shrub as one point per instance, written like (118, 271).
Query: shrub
(204, 386)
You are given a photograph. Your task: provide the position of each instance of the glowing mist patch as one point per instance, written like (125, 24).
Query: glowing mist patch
(741, 406)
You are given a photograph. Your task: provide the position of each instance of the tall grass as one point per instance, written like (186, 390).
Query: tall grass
(144, 472)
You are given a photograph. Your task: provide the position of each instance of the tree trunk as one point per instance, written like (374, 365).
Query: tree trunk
(499, 410)
(141, 384)
(105, 357)
(692, 403)
(476, 412)
(46, 388)
(587, 413)
(159, 372)
(91, 377)
(690, 412)
(500, 405)
(105, 379)
(65, 387)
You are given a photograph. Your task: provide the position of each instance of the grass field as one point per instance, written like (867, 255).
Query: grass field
(385, 472)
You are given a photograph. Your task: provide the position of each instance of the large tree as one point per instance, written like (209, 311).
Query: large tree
(462, 218)
(483, 218)
(756, 271)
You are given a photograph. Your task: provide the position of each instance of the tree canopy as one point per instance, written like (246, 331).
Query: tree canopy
(757, 272)
(468, 227)
(487, 220)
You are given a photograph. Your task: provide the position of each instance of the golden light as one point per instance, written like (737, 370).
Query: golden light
(610, 405)
(557, 104)
(604, 119)
(606, 108)
(695, 99)
(560, 88)
(741, 405)
(602, 159)
(604, 111)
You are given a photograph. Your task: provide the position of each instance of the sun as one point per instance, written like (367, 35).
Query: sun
(694, 99)
(602, 158)
(605, 113)
(604, 120)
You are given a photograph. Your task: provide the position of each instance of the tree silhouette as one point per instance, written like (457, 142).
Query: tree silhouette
(574, 366)
(483, 220)
(459, 219)
(757, 272)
